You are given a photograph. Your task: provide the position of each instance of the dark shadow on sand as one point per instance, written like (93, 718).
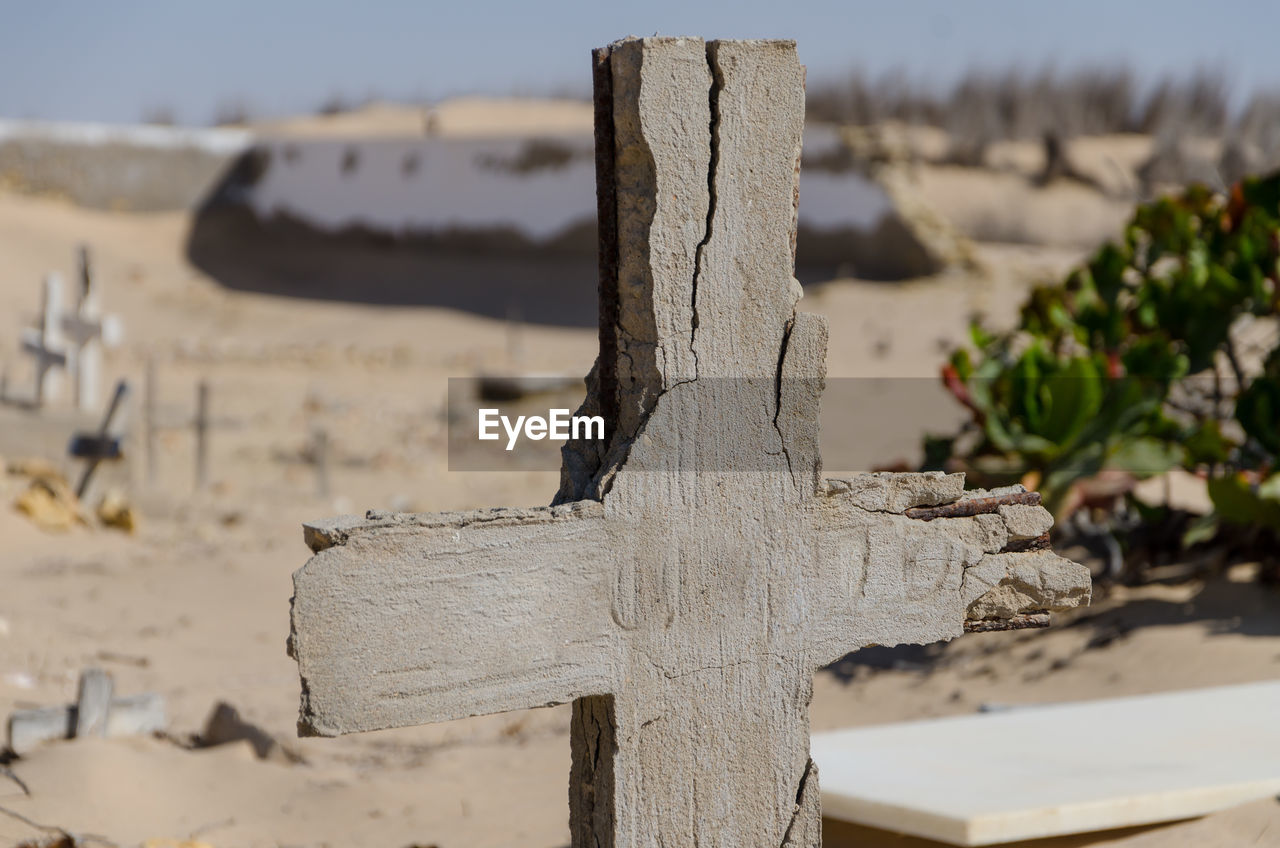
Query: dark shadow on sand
(1221, 606)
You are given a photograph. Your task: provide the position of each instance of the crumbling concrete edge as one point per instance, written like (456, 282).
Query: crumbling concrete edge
(1019, 580)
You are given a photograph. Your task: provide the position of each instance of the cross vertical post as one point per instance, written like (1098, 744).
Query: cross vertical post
(201, 426)
(149, 420)
(89, 331)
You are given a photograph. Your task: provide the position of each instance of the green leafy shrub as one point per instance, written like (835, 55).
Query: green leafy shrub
(1129, 367)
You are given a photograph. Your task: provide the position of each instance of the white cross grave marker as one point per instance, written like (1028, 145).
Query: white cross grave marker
(696, 570)
(95, 713)
(46, 342)
(89, 331)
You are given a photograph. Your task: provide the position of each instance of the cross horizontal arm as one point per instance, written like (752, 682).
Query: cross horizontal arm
(82, 329)
(914, 558)
(405, 620)
(47, 350)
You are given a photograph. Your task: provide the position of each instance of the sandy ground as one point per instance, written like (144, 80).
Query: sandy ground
(195, 605)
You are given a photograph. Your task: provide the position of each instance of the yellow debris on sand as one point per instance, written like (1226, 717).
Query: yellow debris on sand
(51, 504)
(114, 510)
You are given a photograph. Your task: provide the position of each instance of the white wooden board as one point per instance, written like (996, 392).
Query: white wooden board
(1052, 770)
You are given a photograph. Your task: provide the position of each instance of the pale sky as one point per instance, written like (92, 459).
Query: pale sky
(113, 60)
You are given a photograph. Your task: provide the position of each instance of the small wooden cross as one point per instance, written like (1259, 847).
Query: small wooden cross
(105, 445)
(46, 342)
(696, 569)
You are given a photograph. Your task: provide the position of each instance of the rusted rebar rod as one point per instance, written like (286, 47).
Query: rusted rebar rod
(973, 506)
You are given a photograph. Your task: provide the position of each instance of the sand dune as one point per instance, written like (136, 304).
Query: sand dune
(463, 117)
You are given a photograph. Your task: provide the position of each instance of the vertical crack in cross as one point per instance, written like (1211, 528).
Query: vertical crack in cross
(802, 801)
(777, 402)
(713, 97)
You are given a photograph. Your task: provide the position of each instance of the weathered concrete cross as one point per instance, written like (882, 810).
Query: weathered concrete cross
(696, 569)
(46, 342)
(89, 331)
